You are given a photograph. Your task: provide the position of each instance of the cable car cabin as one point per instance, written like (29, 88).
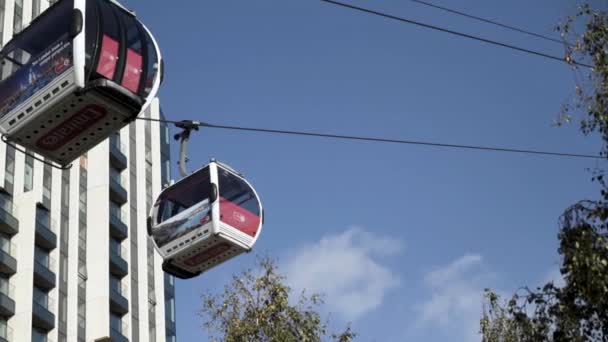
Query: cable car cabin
(80, 71)
(210, 216)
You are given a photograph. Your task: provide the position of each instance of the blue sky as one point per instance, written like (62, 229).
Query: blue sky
(402, 239)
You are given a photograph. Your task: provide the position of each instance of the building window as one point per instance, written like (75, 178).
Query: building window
(9, 168)
(114, 284)
(5, 331)
(82, 200)
(41, 297)
(170, 310)
(5, 244)
(18, 17)
(47, 181)
(1, 21)
(38, 335)
(35, 8)
(64, 303)
(43, 217)
(115, 141)
(66, 192)
(64, 266)
(82, 312)
(42, 257)
(82, 268)
(116, 322)
(5, 286)
(116, 211)
(116, 248)
(82, 283)
(28, 177)
(116, 177)
(6, 202)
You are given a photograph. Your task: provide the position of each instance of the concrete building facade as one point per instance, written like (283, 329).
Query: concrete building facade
(75, 260)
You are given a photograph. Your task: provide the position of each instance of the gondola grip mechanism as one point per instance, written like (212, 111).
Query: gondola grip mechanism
(187, 126)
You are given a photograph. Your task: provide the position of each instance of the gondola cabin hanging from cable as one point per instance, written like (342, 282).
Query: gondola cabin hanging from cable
(80, 71)
(204, 219)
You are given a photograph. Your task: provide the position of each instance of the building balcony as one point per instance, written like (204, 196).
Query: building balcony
(117, 334)
(8, 223)
(118, 302)
(118, 229)
(44, 276)
(117, 154)
(45, 233)
(118, 193)
(118, 265)
(7, 304)
(42, 317)
(8, 264)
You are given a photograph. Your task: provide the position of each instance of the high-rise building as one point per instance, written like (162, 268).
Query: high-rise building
(76, 263)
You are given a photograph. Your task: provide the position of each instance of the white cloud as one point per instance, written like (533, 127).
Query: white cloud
(456, 299)
(345, 268)
(454, 306)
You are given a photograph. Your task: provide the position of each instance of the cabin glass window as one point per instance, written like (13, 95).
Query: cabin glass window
(190, 191)
(236, 190)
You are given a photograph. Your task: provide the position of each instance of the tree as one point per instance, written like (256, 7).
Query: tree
(256, 307)
(578, 310)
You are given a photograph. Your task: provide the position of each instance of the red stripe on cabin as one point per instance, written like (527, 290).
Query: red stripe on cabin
(238, 217)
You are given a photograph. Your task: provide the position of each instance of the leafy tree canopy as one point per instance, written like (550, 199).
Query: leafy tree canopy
(256, 307)
(577, 311)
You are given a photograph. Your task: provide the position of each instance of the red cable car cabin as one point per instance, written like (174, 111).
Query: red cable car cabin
(204, 219)
(80, 71)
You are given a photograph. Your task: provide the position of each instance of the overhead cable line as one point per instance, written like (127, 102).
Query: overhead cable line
(566, 59)
(32, 155)
(488, 21)
(376, 139)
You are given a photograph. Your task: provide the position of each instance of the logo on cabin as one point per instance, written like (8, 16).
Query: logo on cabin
(71, 127)
(238, 217)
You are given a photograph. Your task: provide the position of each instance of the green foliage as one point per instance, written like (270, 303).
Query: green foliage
(590, 47)
(256, 307)
(578, 311)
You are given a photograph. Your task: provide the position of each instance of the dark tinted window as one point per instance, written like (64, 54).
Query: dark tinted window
(151, 65)
(131, 78)
(181, 196)
(92, 35)
(109, 20)
(237, 191)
